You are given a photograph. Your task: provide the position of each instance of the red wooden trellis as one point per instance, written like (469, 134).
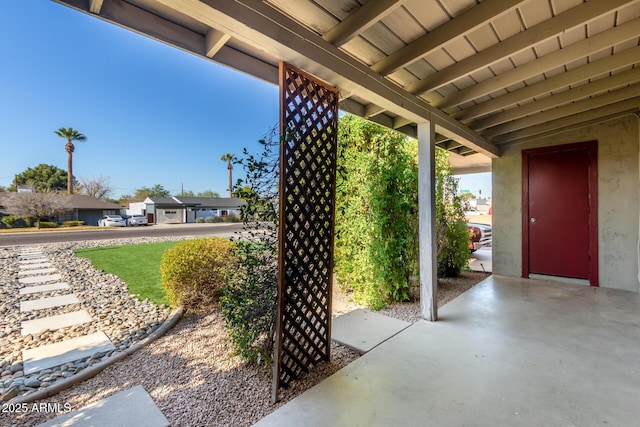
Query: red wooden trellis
(308, 129)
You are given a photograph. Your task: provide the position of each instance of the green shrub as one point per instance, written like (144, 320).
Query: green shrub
(48, 224)
(72, 223)
(231, 218)
(248, 302)
(195, 271)
(216, 219)
(452, 233)
(376, 241)
(199, 220)
(209, 220)
(9, 220)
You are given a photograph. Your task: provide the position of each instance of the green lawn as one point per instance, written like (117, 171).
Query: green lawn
(137, 265)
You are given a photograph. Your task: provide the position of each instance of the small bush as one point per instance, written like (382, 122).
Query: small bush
(209, 219)
(217, 219)
(199, 220)
(72, 223)
(195, 271)
(231, 218)
(48, 224)
(9, 221)
(249, 302)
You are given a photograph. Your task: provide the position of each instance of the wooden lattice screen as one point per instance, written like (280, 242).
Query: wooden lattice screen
(308, 128)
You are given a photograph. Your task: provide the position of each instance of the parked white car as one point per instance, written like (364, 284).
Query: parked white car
(112, 221)
(137, 220)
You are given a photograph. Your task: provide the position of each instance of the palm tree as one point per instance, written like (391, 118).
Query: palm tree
(70, 135)
(229, 158)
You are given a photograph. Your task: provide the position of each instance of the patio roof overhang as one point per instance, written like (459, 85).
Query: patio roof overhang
(489, 74)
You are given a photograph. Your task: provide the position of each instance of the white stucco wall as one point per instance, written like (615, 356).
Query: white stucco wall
(618, 201)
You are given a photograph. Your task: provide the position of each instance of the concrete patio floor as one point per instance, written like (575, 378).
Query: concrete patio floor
(509, 352)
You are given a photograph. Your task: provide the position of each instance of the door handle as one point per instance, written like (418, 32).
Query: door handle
(533, 220)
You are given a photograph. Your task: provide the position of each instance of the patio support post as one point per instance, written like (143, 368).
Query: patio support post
(427, 218)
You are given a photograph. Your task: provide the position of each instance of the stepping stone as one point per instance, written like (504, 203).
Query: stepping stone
(42, 303)
(132, 407)
(55, 322)
(44, 288)
(39, 279)
(363, 330)
(27, 251)
(24, 262)
(34, 265)
(36, 271)
(48, 356)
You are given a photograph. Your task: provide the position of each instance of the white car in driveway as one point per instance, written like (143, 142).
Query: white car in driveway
(137, 220)
(112, 221)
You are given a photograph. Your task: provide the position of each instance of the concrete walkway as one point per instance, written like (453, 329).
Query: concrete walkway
(509, 352)
(132, 407)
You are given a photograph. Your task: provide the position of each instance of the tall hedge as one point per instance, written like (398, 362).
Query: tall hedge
(376, 250)
(377, 212)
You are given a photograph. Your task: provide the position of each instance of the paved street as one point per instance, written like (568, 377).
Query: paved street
(163, 230)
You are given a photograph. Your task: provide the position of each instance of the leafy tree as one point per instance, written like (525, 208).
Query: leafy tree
(2, 189)
(70, 135)
(97, 187)
(44, 178)
(159, 191)
(229, 158)
(209, 193)
(38, 206)
(186, 193)
(142, 193)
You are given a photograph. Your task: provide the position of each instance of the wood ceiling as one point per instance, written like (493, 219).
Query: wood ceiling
(490, 74)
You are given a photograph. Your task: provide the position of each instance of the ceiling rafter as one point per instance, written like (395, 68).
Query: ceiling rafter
(620, 60)
(259, 25)
(545, 30)
(95, 6)
(214, 41)
(620, 108)
(567, 110)
(456, 27)
(575, 51)
(582, 91)
(358, 22)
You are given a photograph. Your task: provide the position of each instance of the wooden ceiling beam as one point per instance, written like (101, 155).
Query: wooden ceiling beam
(612, 110)
(575, 51)
(552, 27)
(358, 22)
(582, 91)
(95, 6)
(567, 110)
(372, 110)
(456, 27)
(259, 25)
(214, 41)
(610, 63)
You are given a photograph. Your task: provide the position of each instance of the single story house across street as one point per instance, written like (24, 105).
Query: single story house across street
(168, 210)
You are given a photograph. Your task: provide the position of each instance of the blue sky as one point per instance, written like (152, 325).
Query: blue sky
(152, 114)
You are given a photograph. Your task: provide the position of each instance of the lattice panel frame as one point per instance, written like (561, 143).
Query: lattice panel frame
(308, 151)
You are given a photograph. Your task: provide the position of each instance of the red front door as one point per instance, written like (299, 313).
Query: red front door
(559, 212)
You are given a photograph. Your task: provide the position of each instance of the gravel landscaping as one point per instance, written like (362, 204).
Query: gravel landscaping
(190, 372)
